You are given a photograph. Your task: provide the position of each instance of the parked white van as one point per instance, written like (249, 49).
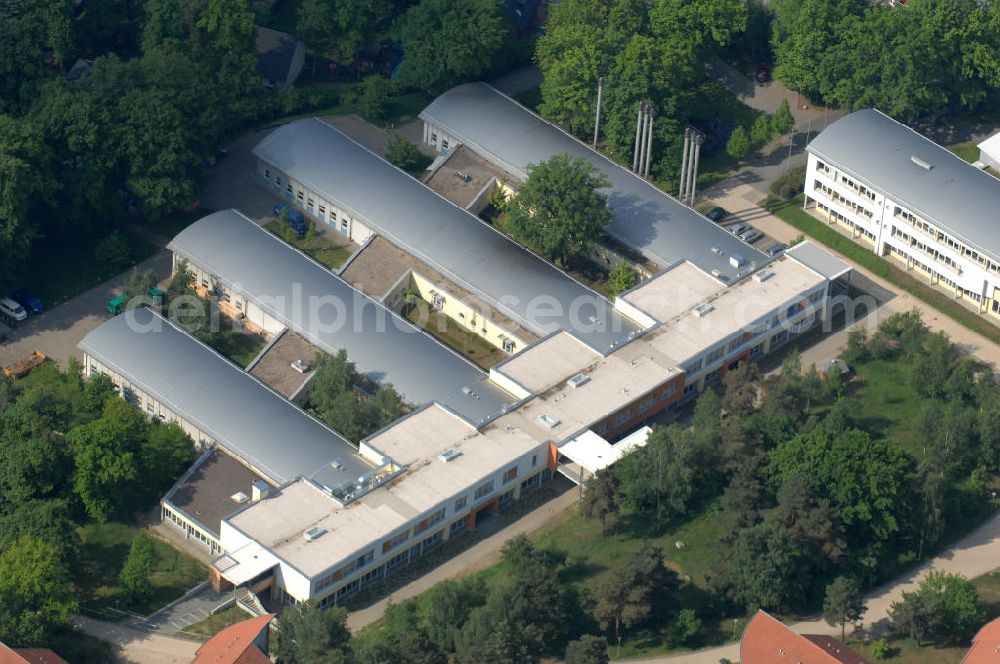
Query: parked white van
(11, 309)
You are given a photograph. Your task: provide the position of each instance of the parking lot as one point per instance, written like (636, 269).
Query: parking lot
(741, 223)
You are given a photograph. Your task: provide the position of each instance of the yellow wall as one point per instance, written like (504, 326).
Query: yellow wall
(464, 315)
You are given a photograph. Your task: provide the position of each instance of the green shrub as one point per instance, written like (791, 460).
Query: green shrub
(791, 184)
(404, 154)
(880, 649)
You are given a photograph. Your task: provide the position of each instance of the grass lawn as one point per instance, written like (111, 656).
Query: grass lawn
(61, 269)
(104, 547)
(906, 651)
(887, 405)
(320, 248)
(469, 344)
(214, 624)
(399, 109)
(791, 212)
(239, 347)
(969, 151)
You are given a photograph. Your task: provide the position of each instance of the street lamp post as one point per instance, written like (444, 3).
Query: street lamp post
(597, 120)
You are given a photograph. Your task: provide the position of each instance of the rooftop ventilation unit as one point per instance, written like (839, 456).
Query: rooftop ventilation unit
(579, 380)
(314, 533)
(716, 273)
(716, 250)
(920, 162)
(549, 421)
(703, 310)
(336, 465)
(737, 261)
(449, 455)
(762, 276)
(239, 497)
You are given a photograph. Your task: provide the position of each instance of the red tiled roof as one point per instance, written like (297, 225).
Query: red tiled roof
(985, 645)
(234, 644)
(29, 656)
(766, 640)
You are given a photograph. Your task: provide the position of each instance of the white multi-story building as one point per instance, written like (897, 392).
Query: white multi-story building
(910, 199)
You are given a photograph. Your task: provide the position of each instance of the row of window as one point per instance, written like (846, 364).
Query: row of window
(859, 189)
(843, 200)
(941, 236)
(309, 203)
(847, 222)
(927, 249)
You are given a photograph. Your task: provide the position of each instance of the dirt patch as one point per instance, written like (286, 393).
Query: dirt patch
(447, 181)
(275, 368)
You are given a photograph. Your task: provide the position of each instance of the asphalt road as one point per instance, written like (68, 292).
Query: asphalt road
(56, 332)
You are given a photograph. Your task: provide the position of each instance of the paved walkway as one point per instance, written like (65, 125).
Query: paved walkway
(57, 331)
(189, 610)
(976, 554)
(139, 646)
(480, 556)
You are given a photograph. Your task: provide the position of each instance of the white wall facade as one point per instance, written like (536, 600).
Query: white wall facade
(315, 205)
(430, 528)
(890, 228)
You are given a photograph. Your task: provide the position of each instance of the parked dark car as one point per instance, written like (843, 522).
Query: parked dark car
(717, 214)
(763, 73)
(777, 249)
(295, 218)
(31, 302)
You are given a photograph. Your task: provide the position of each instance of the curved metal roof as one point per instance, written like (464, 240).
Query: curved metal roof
(451, 240)
(330, 313)
(645, 218)
(952, 194)
(244, 416)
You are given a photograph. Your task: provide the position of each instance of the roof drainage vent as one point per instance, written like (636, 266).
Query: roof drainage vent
(920, 162)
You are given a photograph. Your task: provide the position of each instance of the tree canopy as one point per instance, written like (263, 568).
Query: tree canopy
(936, 56)
(560, 210)
(445, 42)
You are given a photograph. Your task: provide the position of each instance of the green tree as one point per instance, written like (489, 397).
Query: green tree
(588, 649)
(166, 453)
(113, 252)
(782, 120)
(761, 130)
(668, 473)
(944, 609)
(632, 592)
(374, 99)
(559, 210)
(105, 458)
(448, 42)
(602, 498)
(37, 592)
(404, 153)
(866, 480)
(683, 627)
(135, 573)
(738, 145)
(621, 279)
(843, 604)
(312, 635)
(314, 28)
(449, 605)
(767, 570)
